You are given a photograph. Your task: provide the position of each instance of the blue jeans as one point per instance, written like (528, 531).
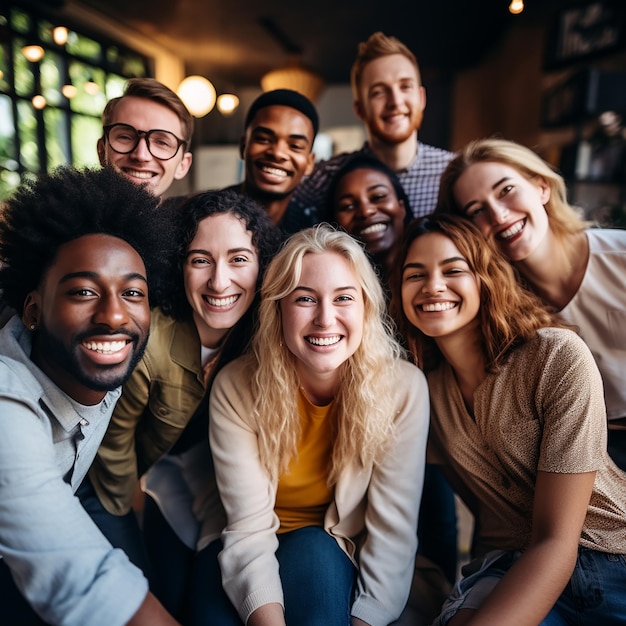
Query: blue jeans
(595, 594)
(122, 531)
(437, 526)
(317, 578)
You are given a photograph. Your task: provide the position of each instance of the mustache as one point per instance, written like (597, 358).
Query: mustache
(100, 332)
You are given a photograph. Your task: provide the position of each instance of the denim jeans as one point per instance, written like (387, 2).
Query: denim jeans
(316, 575)
(595, 594)
(122, 531)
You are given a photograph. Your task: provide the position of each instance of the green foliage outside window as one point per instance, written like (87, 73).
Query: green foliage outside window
(36, 136)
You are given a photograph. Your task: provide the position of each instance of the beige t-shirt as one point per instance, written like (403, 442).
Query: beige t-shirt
(544, 410)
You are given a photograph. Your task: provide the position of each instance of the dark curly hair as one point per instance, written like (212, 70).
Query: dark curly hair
(59, 207)
(266, 238)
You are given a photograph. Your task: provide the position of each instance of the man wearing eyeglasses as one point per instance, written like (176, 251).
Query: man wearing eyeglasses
(147, 135)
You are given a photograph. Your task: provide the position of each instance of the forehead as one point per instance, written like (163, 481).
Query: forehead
(145, 114)
(99, 254)
(283, 120)
(433, 247)
(387, 70)
(363, 177)
(222, 231)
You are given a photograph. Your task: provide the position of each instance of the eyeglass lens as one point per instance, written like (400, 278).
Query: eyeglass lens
(161, 143)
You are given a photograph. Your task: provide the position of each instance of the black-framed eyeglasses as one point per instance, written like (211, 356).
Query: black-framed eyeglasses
(162, 144)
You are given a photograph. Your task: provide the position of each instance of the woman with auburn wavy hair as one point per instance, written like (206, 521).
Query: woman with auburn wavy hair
(517, 199)
(318, 440)
(518, 423)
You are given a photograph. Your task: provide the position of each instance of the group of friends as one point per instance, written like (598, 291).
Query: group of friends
(255, 405)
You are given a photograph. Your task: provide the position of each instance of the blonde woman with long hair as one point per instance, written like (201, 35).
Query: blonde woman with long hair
(318, 439)
(518, 423)
(517, 199)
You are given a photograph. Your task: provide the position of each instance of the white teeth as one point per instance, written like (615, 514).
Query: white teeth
(222, 302)
(324, 341)
(438, 306)
(274, 171)
(105, 347)
(137, 174)
(513, 230)
(374, 228)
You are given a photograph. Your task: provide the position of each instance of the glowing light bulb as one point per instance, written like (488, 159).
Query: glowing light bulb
(516, 6)
(198, 94)
(39, 102)
(59, 34)
(227, 103)
(33, 52)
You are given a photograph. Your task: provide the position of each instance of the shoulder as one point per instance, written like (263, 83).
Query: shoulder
(432, 153)
(603, 240)
(17, 382)
(235, 376)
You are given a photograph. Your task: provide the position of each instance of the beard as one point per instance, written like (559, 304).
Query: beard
(102, 377)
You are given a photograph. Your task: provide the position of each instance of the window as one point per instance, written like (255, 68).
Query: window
(50, 108)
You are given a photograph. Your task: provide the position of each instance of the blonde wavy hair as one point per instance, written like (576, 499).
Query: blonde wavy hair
(509, 315)
(362, 415)
(565, 220)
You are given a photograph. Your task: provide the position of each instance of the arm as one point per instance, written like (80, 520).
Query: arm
(387, 557)
(60, 561)
(152, 613)
(248, 563)
(532, 586)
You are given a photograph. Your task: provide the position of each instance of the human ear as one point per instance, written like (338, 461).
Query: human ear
(31, 314)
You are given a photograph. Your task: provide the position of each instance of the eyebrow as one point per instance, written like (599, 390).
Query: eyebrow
(494, 186)
(269, 131)
(209, 253)
(96, 276)
(311, 290)
(452, 259)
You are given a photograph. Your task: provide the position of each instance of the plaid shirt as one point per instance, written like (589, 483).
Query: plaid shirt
(420, 181)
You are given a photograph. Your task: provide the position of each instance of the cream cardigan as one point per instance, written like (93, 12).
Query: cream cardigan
(373, 516)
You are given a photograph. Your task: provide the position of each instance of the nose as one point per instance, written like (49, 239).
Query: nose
(219, 279)
(395, 97)
(111, 311)
(435, 284)
(365, 208)
(498, 213)
(278, 149)
(141, 152)
(323, 314)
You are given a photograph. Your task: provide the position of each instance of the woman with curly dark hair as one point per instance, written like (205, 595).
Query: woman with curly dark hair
(518, 422)
(223, 241)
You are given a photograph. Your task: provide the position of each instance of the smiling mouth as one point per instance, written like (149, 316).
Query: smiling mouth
(106, 347)
(432, 307)
(512, 230)
(138, 174)
(221, 302)
(324, 341)
(374, 228)
(274, 171)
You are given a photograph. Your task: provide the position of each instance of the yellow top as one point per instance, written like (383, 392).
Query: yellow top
(303, 494)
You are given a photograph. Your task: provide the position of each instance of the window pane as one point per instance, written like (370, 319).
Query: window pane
(85, 134)
(87, 100)
(51, 73)
(115, 86)
(57, 145)
(27, 125)
(4, 68)
(20, 21)
(83, 47)
(9, 176)
(24, 79)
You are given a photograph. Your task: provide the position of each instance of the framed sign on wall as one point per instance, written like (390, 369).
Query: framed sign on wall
(585, 31)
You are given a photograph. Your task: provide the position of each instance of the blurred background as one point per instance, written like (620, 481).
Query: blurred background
(550, 74)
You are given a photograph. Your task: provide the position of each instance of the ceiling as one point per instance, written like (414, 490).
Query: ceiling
(237, 41)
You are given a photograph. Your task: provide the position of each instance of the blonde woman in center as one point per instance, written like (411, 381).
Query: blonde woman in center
(318, 439)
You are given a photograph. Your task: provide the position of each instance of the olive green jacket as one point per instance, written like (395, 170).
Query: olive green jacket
(157, 402)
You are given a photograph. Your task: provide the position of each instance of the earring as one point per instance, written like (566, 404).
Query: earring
(32, 326)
